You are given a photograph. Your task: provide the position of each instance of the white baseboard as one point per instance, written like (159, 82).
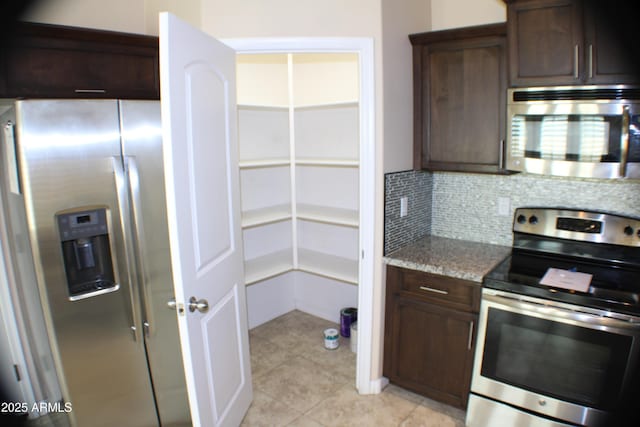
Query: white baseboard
(374, 386)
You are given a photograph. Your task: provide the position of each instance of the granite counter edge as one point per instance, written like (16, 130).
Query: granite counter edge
(436, 269)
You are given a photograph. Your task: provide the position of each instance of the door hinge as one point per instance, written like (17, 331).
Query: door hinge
(16, 369)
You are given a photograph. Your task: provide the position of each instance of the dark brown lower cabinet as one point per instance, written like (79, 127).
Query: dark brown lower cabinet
(429, 345)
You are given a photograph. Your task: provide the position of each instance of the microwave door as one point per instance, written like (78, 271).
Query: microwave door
(568, 139)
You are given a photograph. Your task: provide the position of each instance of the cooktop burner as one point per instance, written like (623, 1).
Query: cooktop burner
(603, 245)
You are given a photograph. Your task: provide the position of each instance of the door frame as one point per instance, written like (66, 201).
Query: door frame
(364, 47)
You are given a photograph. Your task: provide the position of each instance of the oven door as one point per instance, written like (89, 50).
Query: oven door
(557, 360)
(591, 139)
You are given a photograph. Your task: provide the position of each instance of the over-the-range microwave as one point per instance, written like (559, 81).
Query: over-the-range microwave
(579, 131)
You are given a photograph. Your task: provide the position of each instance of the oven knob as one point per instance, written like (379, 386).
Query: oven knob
(628, 230)
(533, 219)
(521, 219)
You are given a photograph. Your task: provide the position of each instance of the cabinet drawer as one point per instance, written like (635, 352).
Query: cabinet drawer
(447, 291)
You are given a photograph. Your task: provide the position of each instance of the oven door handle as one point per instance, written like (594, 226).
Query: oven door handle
(547, 309)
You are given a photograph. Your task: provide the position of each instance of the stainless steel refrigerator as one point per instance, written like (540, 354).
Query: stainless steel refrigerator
(91, 176)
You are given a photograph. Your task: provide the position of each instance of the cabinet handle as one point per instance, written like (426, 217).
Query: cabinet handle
(590, 61)
(576, 59)
(501, 155)
(437, 291)
(90, 91)
(470, 341)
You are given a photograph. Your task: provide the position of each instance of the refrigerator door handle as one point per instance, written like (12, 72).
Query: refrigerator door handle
(11, 162)
(139, 237)
(123, 205)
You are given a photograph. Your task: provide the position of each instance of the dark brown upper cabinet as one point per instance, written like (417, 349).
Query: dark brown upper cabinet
(459, 79)
(51, 61)
(568, 42)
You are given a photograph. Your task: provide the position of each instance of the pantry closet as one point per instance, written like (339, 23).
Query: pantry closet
(306, 141)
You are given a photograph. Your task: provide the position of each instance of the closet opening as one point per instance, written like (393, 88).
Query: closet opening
(306, 144)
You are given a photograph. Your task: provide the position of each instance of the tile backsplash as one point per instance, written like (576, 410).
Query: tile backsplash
(480, 207)
(416, 186)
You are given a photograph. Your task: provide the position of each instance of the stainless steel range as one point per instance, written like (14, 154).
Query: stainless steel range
(559, 328)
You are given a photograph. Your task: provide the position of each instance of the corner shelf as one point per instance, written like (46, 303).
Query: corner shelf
(266, 215)
(327, 105)
(328, 162)
(329, 215)
(263, 107)
(331, 266)
(299, 159)
(267, 266)
(263, 163)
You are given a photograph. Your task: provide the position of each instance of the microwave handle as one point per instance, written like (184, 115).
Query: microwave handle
(624, 140)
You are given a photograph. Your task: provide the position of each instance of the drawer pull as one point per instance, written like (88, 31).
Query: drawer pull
(437, 291)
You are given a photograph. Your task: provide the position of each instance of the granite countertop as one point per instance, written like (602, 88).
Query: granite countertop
(449, 257)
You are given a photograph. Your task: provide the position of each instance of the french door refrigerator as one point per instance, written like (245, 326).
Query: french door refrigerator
(91, 176)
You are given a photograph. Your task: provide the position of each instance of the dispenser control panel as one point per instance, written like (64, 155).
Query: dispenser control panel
(86, 251)
(82, 224)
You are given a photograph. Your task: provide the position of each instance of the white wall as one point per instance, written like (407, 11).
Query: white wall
(130, 16)
(397, 24)
(187, 10)
(463, 13)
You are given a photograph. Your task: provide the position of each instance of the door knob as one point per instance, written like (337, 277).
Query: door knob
(172, 304)
(201, 305)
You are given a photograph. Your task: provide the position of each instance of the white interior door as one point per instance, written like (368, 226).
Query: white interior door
(203, 202)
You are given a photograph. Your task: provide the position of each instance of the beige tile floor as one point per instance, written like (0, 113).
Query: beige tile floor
(297, 382)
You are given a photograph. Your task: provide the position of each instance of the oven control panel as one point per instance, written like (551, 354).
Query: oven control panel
(588, 226)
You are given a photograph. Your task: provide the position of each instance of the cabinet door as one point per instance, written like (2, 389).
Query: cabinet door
(460, 98)
(611, 51)
(49, 61)
(545, 40)
(429, 350)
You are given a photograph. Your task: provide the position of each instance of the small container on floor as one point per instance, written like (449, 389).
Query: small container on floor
(331, 339)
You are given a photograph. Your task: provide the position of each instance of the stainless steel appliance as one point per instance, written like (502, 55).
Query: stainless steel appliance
(582, 131)
(566, 352)
(90, 173)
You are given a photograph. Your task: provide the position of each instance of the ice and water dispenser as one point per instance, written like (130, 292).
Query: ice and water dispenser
(86, 251)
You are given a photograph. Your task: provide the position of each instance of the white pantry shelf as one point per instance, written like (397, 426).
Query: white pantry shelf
(328, 105)
(263, 107)
(329, 215)
(331, 266)
(350, 163)
(267, 266)
(266, 215)
(263, 163)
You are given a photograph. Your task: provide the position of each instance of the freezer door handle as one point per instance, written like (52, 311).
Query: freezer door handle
(123, 205)
(139, 241)
(10, 160)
